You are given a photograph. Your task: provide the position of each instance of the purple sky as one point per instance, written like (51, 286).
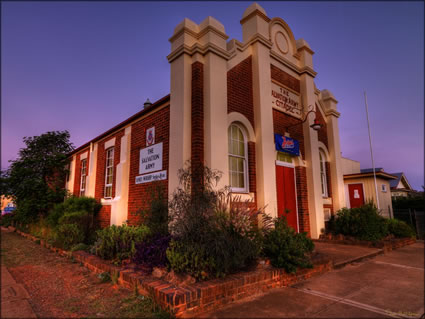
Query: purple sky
(86, 66)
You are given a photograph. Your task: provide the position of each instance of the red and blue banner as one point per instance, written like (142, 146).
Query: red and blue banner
(287, 145)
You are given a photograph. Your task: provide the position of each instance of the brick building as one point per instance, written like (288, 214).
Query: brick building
(238, 107)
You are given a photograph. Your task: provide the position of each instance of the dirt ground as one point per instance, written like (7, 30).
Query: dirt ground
(61, 288)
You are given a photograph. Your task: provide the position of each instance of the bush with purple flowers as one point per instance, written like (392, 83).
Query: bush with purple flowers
(152, 252)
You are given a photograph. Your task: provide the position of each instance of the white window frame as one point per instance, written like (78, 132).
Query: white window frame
(245, 161)
(83, 178)
(110, 149)
(384, 188)
(323, 178)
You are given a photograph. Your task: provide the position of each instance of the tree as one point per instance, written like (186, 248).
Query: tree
(36, 179)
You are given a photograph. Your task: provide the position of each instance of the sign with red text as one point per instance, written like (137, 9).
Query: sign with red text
(286, 100)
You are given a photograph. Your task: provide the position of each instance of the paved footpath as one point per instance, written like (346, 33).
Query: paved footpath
(14, 297)
(384, 286)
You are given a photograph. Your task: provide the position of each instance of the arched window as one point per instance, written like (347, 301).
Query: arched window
(237, 159)
(323, 174)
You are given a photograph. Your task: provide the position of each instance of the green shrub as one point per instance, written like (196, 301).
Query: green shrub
(78, 211)
(68, 235)
(7, 220)
(287, 249)
(156, 216)
(400, 229)
(71, 205)
(81, 246)
(210, 240)
(363, 222)
(119, 242)
(190, 259)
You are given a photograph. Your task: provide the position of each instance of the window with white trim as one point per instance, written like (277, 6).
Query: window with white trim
(237, 159)
(109, 172)
(323, 179)
(384, 188)
(83, 177)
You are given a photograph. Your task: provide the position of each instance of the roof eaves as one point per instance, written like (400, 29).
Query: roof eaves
(155, 105)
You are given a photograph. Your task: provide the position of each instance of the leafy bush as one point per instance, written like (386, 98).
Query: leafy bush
(68, 235)
(78, 211)
(209, 240)
(152, 252)
(7, 220)
(191, 259)
(287, 249)
(156, 216)
(80, 246)
(71, 205)
(363, 222)
(399, 228)
(119, 242)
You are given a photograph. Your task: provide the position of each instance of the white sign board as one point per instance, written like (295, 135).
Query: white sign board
(152, 177)
(150, 159)
(150, 136)
(287, 101)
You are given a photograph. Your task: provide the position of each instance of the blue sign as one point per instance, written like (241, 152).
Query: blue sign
(287, 145)
(9, 209)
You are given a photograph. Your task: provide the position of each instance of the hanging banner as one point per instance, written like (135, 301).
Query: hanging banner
(287, 145)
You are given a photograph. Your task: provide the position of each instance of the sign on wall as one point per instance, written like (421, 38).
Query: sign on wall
(287, 101)
(150, 136)
(150, 159)
(287, 145)
(152, 177)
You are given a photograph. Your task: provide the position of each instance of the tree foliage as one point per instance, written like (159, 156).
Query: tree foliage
(36, 179)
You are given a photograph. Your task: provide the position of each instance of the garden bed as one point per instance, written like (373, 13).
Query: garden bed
(192, 299)
(386, 244)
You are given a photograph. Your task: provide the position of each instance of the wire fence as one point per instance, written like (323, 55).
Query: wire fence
(414, 218)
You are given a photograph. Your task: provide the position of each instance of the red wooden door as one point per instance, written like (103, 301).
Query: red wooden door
(286, 196)
(355, 192)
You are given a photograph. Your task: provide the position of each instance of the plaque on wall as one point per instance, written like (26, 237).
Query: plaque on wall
(286, 100)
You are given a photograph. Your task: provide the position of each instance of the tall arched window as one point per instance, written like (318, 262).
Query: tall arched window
(237, 159)
(323, 174)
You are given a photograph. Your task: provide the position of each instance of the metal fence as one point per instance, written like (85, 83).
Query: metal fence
(414, 218)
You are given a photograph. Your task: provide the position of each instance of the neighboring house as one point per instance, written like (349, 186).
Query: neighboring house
(360, 186)
(249, 109)
(6, 205)
(400, 187)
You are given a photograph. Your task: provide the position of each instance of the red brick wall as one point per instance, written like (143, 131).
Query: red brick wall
(302, 199)
(77, 179)
(239, 90)
(104, 216)
(323, 132)
(197, 147)
(282, 120)
(285, 78)
(99, 191)
(139, 194)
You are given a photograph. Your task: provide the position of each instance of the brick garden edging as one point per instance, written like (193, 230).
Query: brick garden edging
(191, 300)
(386, 245)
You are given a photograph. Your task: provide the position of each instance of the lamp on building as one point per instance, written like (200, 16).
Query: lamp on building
(315, 126)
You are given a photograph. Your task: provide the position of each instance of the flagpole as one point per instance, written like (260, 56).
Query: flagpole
(371, 152)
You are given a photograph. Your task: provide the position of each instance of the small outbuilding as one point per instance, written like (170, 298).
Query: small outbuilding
(360, 187)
